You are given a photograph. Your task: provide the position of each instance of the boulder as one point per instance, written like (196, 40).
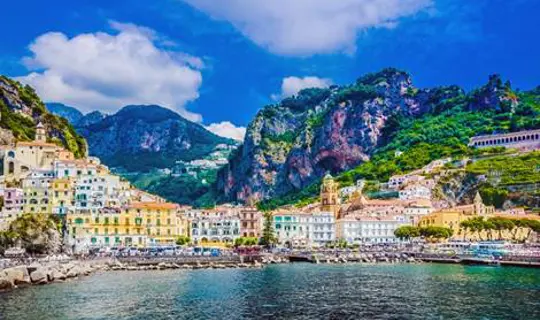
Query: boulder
(58, 276)
(5, 284)
(39, 276)
(17, 275)
(73, 272)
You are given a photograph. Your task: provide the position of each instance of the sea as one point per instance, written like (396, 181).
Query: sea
(288, 291)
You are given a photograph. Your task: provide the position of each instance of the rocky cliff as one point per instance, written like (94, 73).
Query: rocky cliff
(291, 145)
(21, 109)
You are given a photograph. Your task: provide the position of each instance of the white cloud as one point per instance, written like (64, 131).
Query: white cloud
(228, 130)
(306, 27)
(292, 85)
(102, 71)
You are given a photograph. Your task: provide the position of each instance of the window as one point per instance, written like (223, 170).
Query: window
(95, 230)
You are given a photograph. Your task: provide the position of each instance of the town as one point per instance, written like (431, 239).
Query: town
(102, 210)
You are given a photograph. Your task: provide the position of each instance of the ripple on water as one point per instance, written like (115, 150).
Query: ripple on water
(300, 291)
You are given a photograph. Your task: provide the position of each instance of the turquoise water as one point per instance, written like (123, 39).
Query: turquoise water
(296, 291)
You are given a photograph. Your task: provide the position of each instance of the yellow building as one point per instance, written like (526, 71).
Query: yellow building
(329, 195)
(141, 224)
(63, 195)
(36, 200)
(452, 218)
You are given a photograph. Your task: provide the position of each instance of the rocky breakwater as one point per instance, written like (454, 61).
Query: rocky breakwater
(144, 265)
(42, 273)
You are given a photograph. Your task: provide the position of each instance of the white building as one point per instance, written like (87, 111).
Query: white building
(366, 229)
(300, 229)
(215, 229)
(415, 192)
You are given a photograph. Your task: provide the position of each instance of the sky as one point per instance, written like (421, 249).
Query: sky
(217, 62)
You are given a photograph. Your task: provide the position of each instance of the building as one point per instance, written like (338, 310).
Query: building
(329, 195)
(215, 229)
(291, 228)
(304, 229)
(251, 222)
(140, 224)
(524, 140)
(359, 229)
(452, 218)
(25, 156)
(63, 196)
(415, 192)
(13, 206)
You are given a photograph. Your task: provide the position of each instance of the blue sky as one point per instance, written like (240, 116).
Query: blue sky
(220, 61)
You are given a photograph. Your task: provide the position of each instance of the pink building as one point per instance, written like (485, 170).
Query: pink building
(13, 204)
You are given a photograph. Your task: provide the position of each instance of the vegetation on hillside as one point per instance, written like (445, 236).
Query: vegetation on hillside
(442, 132)
(36, 233)
(22, 124)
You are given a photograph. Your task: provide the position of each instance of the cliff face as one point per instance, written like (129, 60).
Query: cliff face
(140, 138)
(21, 110)
(291, 145)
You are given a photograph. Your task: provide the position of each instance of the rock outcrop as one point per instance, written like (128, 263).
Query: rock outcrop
(290, 145)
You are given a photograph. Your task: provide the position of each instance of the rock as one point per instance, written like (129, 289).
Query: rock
(39, 276)
(58, 276)
(17, 275)
(73, 272)
(5, 284)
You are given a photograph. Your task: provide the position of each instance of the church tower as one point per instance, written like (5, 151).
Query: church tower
(478, 204)
(329, 195)
(41, 133)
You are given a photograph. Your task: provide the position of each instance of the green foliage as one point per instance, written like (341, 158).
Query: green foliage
(23, 126)
(33, 232)
(520, 169)
(493, 196)
(407, 232)
(185, 189)
(268, 237)
(357, 92)
(435, 232)
(306, 99)
(246, 241)
(431, 232)
(183, 240)
(498, 224)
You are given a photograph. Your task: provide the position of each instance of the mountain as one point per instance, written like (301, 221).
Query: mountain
(89, 119)
(71, 114)
(21, 110)
(354, 131)
(142, 138)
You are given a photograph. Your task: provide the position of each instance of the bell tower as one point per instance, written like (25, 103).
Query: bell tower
(329, 195)
(41, 133)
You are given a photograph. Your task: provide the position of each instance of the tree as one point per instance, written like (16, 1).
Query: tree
(465, 226)
(407, 232)
(183, 240)
(245, 241)
(268, 238)
(435, 232)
